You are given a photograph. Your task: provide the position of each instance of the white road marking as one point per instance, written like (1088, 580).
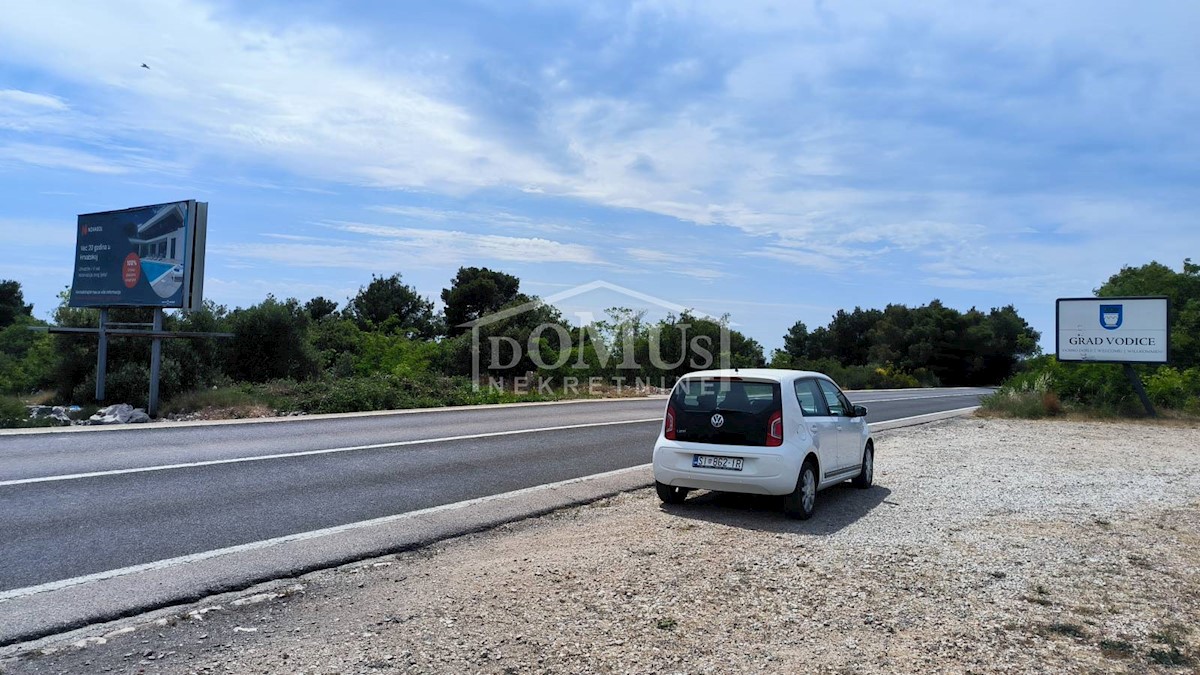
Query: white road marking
(308, 453)
(300, 536)
(915, 398)
(930, 416)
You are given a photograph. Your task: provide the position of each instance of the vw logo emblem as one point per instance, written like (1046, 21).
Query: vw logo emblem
(718, 420)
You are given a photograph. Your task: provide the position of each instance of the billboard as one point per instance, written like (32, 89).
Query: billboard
(147, 256)
(1112, 330)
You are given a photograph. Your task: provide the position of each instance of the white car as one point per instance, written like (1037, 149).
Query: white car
(762, 431)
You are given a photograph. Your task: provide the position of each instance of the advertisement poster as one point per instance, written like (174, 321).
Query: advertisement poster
(137, 257)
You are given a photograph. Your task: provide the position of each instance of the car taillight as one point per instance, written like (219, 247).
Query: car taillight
(775, 430)
(669, 424)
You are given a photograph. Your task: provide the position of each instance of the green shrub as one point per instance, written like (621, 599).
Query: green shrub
(381, 392)
(271, 341)
(1097, 387)
(217, 397)
(27, 358)
(13, 413)
(891, 377)
(1025, 404)
(394, 354)
(129, 382)
(1165, 387)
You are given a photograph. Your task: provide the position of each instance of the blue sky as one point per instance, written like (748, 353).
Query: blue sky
(773, 161)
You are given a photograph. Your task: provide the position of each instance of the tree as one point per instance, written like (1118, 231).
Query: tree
(388, 304)
(821, 345)
(476, 292)
(12, 303)
(271, 341)
(199, 360)
(795, 343)
(26, 358)
(320, 307)
(931, 343)
(1182, 290)
(849, 333)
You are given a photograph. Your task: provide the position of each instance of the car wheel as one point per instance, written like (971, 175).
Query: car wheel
(802, 502)
(866, 478)
(670, 494)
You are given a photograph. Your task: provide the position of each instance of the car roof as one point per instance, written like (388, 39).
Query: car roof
(771, 374)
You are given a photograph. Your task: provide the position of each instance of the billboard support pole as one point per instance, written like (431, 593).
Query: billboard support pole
(155, 362)
(102, 355)
(1136, 381)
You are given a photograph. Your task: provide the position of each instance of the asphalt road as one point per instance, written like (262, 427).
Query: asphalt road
(77, 503)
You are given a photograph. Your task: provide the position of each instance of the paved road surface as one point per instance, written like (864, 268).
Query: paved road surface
(76, 503)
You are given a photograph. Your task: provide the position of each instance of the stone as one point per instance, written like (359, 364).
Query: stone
(119, 413)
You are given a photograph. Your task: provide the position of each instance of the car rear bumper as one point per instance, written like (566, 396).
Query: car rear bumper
(765, 471)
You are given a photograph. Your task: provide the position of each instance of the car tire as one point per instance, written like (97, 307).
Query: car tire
(670, 494)
(802, 501)
(866, 478)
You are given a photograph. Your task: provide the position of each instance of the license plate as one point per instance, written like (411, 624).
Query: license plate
(717, 462)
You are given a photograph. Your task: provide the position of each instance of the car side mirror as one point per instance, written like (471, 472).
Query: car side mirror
(860, 411)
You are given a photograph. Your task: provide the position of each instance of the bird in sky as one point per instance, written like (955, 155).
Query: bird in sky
(146, 66)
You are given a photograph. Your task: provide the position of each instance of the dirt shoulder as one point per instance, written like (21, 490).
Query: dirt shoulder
(986, 545)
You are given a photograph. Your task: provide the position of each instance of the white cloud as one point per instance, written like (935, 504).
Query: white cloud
(53, 157)
(30, 233)
(677, 261)
(488, 218)
(458, 245)
(244, 292)
(379, 248)
(14, 100)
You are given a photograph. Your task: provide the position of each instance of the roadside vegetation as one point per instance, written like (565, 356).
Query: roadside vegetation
(1044, 387)
(898, 346)
(388, 347)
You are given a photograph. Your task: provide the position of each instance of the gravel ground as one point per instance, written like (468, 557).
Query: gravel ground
(985, 545)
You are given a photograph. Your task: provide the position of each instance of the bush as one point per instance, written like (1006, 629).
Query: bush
(129, 382)
(887, 376)
(1170, 388)
(380, 392)
(1047, 386)
(224, 398)
(26, 358)
(13, 413)
(394, 354)
(891, 377)
(271, 341)
(1022, 404)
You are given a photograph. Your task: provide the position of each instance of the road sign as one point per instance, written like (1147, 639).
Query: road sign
(1113, 330)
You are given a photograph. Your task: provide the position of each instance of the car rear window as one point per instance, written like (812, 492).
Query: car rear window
(711, 395)
(745, 409)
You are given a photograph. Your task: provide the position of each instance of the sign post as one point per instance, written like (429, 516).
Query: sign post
(155, 363)
(102, 355)
(1124, 330)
